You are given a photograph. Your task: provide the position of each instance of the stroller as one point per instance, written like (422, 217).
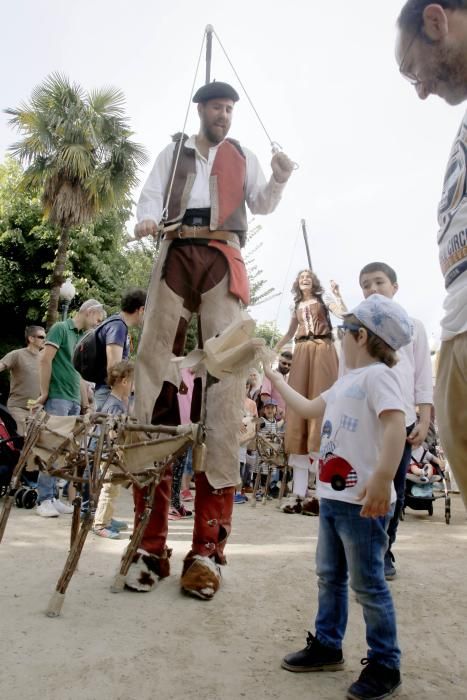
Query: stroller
(429, 485)
(10, 447)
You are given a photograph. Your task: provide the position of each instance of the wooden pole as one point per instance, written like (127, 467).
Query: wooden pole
(305, 237)
(209, 31)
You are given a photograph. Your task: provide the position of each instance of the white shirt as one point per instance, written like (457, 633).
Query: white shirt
(414, 372)
(351, 429)
(261, 197)
(452, 237)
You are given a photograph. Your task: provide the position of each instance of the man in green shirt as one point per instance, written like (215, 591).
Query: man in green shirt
(61, 388)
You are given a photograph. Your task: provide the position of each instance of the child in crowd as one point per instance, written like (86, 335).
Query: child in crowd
(362, 439)
(424, 466)
(269, 425)
(120, 381)
(247, 437)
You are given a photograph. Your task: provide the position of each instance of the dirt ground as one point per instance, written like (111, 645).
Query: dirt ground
(163, 645)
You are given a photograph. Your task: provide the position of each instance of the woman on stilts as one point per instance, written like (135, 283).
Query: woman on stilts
(314, 369)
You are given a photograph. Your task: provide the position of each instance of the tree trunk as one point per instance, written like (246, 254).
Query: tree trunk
(57, 276)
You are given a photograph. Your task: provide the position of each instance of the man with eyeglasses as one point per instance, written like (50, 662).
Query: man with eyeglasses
(431, 51)
(23, 365)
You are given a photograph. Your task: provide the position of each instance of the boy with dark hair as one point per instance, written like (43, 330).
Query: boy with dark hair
(415, 377)
(362, 439)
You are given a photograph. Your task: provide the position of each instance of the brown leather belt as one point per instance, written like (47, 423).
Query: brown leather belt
(200, 232)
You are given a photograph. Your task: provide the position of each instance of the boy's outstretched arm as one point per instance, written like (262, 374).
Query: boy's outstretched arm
(376, 498)
(305, 408)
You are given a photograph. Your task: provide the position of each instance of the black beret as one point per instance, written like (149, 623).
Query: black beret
(216, 90)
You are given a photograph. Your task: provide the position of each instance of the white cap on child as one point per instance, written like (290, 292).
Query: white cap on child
(386, 319)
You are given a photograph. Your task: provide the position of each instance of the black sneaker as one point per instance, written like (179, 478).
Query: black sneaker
(314, 657)
(390, 571)
(375, 682)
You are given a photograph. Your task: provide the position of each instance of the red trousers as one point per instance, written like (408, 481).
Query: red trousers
(213, 517)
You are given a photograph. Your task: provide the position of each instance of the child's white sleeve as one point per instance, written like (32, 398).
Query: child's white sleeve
(385, 393)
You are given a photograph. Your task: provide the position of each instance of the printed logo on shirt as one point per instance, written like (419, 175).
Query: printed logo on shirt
(338, 472)
(355, 391)
(349, 423)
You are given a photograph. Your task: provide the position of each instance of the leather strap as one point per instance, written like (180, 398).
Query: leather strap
(200, 232)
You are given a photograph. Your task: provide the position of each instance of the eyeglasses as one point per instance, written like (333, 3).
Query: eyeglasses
(411, 77)
(349, 327)
(41, 337)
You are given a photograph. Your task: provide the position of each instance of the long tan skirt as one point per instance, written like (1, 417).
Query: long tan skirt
(314, 369)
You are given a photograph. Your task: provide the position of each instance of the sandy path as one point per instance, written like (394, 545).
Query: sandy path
(164, 645)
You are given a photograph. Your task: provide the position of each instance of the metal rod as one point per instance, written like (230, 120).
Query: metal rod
(305, 237)
(209, 31)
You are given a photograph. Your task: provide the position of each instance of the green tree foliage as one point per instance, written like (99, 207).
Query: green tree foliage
(77, 152)
(96, 261)
(269, 332)
(258, 293)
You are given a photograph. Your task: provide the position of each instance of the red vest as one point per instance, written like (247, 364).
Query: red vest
(226, 187)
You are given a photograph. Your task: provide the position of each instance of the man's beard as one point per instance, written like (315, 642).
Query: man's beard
(451, 72)
(213, 136)
(283, 370)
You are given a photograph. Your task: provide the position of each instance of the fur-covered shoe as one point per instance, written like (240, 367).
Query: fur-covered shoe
(201, 577)
(147, 569)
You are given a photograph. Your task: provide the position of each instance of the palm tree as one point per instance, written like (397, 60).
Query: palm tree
(76, 148)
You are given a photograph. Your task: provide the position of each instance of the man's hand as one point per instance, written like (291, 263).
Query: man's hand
(39, 403)
(282, 167)
(418, 434)
(376, 498)
(145, 228)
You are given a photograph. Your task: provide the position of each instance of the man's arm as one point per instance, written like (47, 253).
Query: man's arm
(114, 354)
(376, 497)
(45, 371)
(263, 197)
(151, 201)
(423, 384)
(8, 361)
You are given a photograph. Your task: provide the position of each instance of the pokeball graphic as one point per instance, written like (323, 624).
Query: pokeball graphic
(337, 471)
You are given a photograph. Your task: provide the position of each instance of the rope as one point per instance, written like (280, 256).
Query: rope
(287, 276)
(180, 143)
(274, 145)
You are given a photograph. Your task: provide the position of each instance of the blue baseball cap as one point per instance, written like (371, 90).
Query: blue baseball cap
(386, 319)
(270, 402)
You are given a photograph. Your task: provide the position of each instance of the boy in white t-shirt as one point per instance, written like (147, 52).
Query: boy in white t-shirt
(362, 439)
(415, 377)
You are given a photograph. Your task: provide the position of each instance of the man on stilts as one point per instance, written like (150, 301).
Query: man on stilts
(204, 186)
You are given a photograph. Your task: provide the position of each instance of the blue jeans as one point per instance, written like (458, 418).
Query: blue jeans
(349, 545)
(399, 485)
(46, 485)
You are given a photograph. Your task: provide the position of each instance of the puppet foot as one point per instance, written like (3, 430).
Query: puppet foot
(147, 569)
(201, 577)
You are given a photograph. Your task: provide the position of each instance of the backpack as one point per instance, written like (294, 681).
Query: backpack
(89, 356)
